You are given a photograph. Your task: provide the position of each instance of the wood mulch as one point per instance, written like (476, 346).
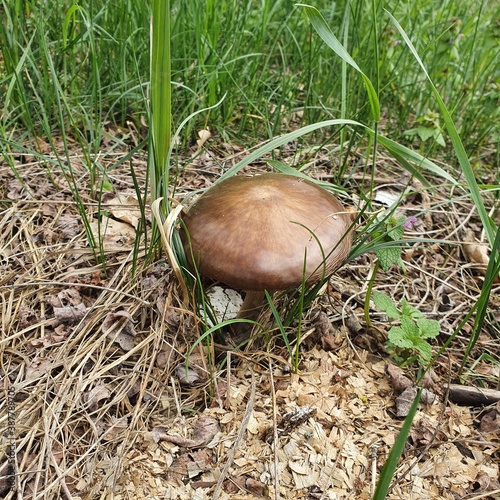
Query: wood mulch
(102, 397)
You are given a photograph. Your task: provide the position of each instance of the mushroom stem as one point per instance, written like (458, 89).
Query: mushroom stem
(252, 305)
(251, 308)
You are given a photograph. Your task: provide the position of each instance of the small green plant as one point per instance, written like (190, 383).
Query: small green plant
(409, 340)
(428, 126)
(391, 232)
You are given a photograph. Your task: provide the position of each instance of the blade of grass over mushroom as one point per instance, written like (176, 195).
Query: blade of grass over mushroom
(458, 146)
(398, 150)
(397, 449)
(286, 169)
(331, 40)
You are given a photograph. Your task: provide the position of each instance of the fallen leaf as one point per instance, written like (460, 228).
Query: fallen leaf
(485, 483)
(399, 380)
(69, 296)
(68, 225)
(70, 314)
(203, 135)
(114, 428)
(476, 253)
(406, 398)
(195, 370)
(205, 429)
(424, 432)
(125, 209)
(115, 235)
(490, 422)
(96, 395)
(190, 465)
(118, 327)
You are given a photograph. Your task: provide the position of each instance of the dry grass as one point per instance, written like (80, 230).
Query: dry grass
(92, 361)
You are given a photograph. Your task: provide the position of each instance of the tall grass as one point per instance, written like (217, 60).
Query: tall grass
(262, 54)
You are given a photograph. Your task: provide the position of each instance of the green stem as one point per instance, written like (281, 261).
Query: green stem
(369, 293)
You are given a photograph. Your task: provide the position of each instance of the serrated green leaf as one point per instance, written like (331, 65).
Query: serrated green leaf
(410, 328)
(397, 232)
(397, 336)
(409, 311)
(389, 256)
(424, 349)
(386, 304)
(429, 328)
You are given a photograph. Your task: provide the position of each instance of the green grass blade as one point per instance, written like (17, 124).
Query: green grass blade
(319, 24)
(492, 271)
(391, 463)
(458, 146)
(161, 98)
(398, 150)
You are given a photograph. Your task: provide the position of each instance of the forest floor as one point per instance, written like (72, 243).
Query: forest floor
(93, 358)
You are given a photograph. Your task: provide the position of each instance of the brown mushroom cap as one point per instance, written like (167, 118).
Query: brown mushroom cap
(255, 233)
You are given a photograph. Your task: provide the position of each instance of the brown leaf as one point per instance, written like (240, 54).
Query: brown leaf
(70, 314)
(476, 253)
(67, 297)
(238, 484)
(94, 397)
(125, 209)
(114, 234)
(490, 421)
(406, 398)
(190, 465)
(204, 135)
(194, 372)
(399, 380)
(424, 432)
(68, 225)
(205, 429)
(326, 332)
(485, 483)
(114, 428)
(118, 327)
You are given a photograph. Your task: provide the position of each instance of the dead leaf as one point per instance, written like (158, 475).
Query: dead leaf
(399, 380)
(125, 209)
(115, 428)
(194, 372)
(406, 398)
(490, 422)
(165, 357)
(68, 225)
(205, 429)
(476, 253)
(203, 135)
(485, 483)
(326, 332)
(423, 432)
(69, 296)
(94, 397)
(70, 314)
(118, 327)
(115, 235)
(190, 465)
(243, 483)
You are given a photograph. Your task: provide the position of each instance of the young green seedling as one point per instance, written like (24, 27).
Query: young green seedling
(409, 340)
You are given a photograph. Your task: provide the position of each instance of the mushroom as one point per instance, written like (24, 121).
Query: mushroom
(267, 232)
